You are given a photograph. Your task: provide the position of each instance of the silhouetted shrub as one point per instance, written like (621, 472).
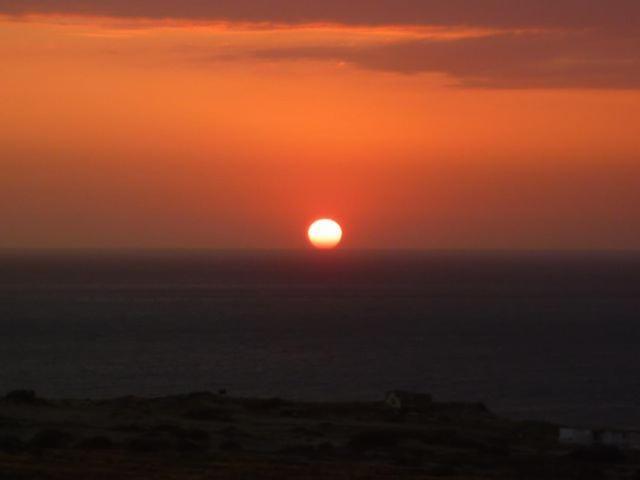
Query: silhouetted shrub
(263, 404)
(151, 444)
(303, 450)
(442, 471)
(50, 439)
(194, 434)
(164, 442)
(598, 454)
(391, 438)
(375, 439)
(449, 438)
(230, 445)
(11, 444)
(326, 448)
(96, 443)
(22, 396)
(209, 414)
(307, 432)
(189, 446)
(197, 435)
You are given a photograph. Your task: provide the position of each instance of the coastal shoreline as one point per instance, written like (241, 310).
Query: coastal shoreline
(214, 435)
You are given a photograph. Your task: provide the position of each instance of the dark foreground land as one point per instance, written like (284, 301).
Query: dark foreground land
(206, 435)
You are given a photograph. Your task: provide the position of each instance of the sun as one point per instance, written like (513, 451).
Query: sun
(325, 234)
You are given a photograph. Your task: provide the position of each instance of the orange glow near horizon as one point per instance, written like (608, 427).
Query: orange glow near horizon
(159, 133)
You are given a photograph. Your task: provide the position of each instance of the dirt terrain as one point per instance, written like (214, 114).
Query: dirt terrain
(210, 435)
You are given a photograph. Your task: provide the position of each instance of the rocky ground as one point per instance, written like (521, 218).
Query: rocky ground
(207, 435)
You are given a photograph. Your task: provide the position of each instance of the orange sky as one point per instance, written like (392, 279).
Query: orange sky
(127, 132)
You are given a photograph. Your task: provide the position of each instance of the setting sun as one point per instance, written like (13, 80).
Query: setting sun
(325, 233)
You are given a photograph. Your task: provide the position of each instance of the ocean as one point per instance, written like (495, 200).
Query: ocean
(545, 336)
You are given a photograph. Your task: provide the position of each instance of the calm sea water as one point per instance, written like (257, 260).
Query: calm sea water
(544, 336)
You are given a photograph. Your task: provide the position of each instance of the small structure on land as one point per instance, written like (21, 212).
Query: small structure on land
(409, 402)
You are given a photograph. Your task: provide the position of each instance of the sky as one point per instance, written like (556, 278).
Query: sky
(426, 124)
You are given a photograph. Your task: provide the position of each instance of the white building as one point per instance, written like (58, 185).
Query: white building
(576, 436)
(611, 438)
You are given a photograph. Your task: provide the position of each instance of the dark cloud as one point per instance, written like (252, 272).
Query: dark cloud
(619, 14)
(542, 60)
(579, 43)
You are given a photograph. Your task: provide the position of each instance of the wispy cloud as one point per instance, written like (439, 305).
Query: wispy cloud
(478, 43)
(529, 60)
(619, 14)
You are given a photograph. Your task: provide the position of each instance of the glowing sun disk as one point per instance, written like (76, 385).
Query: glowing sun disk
(325, 233)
